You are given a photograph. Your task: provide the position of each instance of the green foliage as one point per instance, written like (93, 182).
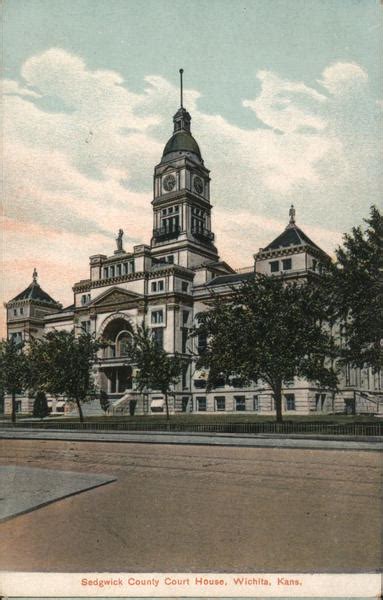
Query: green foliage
(155, 368)
(104, 401)
(358, 280)
(14, 370)
(269, 330)
(62, 364)
(40, 406)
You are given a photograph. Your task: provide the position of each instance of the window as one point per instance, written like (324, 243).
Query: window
(314, 264)
(240, 403)
(185, 334)
(158, 286)
(170, 219)
(106, 272)
(184, 376)
(185, 402)
(274, 266)
(157, 317)
(170, 259)
(15, 312)
(85, 325)
(111, 271)
(220, 403)
(200, 383)
(119, 267)
(198, 219)
(319, 401)
(185, 317)
(17, 337)
(256, 403)
(21, 310)
(158, 336)
(286, 264)
(201, 403)
(201, 343)
(290, 401)
(185, 286)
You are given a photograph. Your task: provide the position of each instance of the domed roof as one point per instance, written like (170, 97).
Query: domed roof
(182, 141)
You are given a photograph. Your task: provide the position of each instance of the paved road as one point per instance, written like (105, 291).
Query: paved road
(199, 508)
(203, 439)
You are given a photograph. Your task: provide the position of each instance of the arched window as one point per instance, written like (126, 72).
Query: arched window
(122, 343)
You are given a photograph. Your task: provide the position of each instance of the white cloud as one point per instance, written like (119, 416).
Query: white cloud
(285, 105)
(339, 78)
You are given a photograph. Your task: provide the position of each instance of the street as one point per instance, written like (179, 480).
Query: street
(199, 508)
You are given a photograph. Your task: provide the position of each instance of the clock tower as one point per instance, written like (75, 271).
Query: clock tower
(181, 204)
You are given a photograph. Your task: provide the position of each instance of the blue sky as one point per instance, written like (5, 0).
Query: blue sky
(286, 101)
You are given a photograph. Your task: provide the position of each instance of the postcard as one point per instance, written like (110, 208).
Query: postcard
(191, 387)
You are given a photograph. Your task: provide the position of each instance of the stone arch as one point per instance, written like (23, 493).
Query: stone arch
(115, 330)
(115, 316)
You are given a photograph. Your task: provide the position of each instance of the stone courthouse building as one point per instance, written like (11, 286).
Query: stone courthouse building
(167, 283)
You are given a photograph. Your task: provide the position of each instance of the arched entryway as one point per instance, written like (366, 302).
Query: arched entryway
(115, 370)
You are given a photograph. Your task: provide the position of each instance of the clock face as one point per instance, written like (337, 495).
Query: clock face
(169, 183)
(198, 185)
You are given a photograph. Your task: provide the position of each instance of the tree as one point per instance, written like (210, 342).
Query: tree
(104, 401)
(62, 364)
(40, 406)
(155, 368)
(269, 330)
(14, 370)
(358, 280)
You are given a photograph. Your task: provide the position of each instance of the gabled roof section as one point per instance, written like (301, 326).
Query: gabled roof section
(115, 294)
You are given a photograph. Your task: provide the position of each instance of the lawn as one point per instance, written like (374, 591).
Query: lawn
(214, 418)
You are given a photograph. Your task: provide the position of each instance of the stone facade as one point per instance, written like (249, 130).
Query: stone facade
(166, 284)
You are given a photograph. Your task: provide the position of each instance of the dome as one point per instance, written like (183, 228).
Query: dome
(182, 141)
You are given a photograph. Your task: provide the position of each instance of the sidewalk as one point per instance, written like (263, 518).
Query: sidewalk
(204, 439)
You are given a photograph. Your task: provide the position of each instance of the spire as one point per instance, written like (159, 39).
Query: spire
(34, 275)
(181, 88)
(292, 217)
(182, 118)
